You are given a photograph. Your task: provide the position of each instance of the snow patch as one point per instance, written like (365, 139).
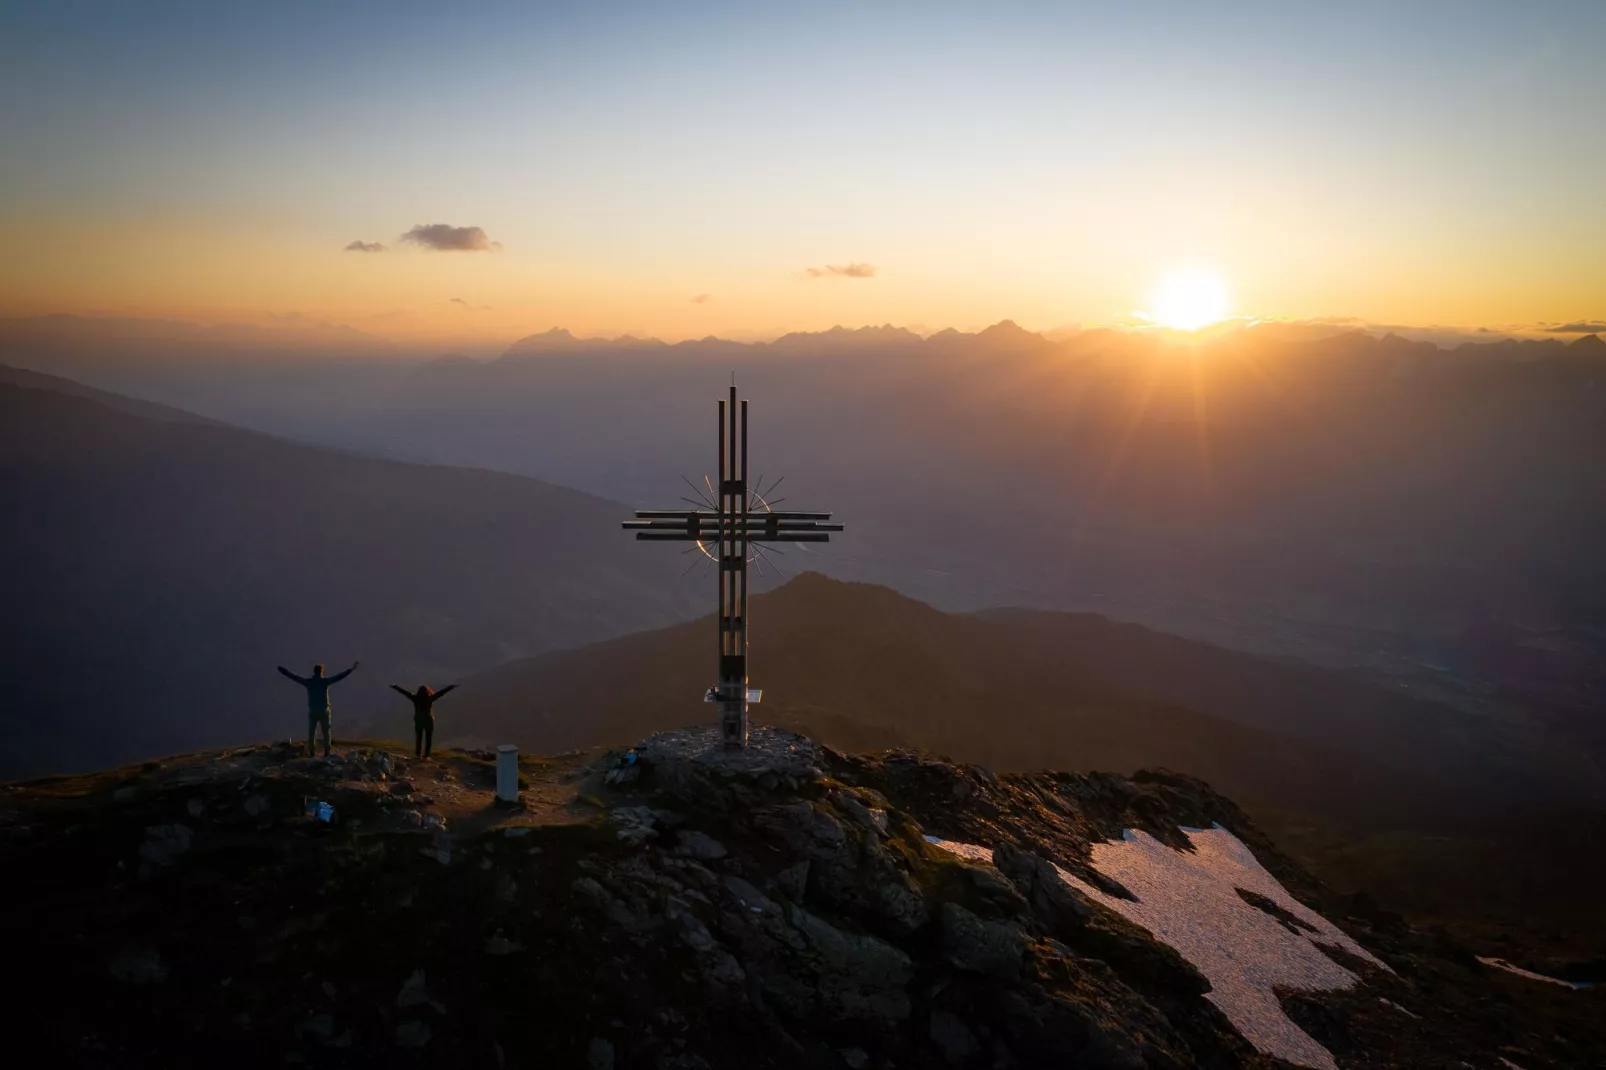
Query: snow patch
(968, 851)
(1189, 900)
(1502, 964)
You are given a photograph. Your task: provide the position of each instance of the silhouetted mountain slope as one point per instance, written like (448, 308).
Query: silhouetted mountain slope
(861, 666)
(156, 572)
(1298, 489)
(30, 380)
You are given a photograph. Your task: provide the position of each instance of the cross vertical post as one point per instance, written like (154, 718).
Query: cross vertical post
(738, 521)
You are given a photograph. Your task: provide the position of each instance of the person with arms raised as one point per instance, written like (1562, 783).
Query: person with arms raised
(318, 711)
(423, 701)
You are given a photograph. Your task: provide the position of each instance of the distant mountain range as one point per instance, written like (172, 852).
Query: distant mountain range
(1430, 515)
(157, 568)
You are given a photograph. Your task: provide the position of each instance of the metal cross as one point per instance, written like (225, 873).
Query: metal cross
(733, 520)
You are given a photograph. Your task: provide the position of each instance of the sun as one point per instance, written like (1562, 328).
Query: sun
(1188, 300)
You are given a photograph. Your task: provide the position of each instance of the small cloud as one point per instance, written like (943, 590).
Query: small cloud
(365, 247)
(459, 301)
(1577, 327)
(445, 238)
(702, 299)
(842, 271)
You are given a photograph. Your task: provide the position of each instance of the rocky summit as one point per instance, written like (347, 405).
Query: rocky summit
(677, 906)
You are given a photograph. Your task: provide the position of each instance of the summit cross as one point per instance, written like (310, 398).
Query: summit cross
(733, 521)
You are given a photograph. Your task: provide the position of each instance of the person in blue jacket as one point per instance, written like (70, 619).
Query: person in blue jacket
(318, 712)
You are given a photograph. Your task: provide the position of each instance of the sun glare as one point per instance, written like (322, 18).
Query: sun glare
(1188, 300)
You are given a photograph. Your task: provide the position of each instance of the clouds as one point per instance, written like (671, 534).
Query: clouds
(702, 299)
(443, 237)
(854, 270)
(1577, 327)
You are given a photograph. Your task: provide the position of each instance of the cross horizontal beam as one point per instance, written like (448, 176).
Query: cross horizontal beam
(736, 524)
(682, 514)
(785, 536)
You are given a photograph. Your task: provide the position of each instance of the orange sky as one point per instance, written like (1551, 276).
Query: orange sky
(710, 173)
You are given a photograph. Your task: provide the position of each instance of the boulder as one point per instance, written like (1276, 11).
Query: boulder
(993, 948)
(952, 1037)
(164, 843)
(693, 844)
(840, 976)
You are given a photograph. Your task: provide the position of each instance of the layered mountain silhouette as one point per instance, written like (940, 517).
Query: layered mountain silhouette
(861, 666)
(1306, 490)
(31, 380)
(157, 569)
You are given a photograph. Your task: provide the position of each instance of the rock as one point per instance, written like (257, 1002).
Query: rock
(716, 965)
(599, 1054)
(634, 824)
(164, 843)
(803, 828)
(195, 806)
(894, 898)
(1049, 896)
(257, 805)
(952, 1037)
(993, 948)
(793, 881)
(693, 844)
(1094, 930)
(624, 774)
(630, 916)
(440, 849)
(748, 897)
(319, 1025)
(415, 993)
(856, 1058)
(841, 976)
(516, 832)
(872, 819)
(138, 966)
(124, 794)
(500, 945)
(413, 1034)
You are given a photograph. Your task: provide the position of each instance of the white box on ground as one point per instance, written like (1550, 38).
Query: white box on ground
(507, 773)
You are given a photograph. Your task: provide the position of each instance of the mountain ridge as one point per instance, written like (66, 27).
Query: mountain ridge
(798, 909)
(137, 546)
(859, 665)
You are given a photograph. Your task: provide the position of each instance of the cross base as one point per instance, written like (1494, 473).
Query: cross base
(733, 725)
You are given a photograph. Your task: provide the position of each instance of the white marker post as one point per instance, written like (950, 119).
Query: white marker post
(507, 774)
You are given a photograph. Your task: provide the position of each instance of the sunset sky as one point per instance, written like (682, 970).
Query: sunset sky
(746, 168)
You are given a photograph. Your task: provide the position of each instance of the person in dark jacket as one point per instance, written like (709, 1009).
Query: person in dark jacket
(423, 701)
(318, 712)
